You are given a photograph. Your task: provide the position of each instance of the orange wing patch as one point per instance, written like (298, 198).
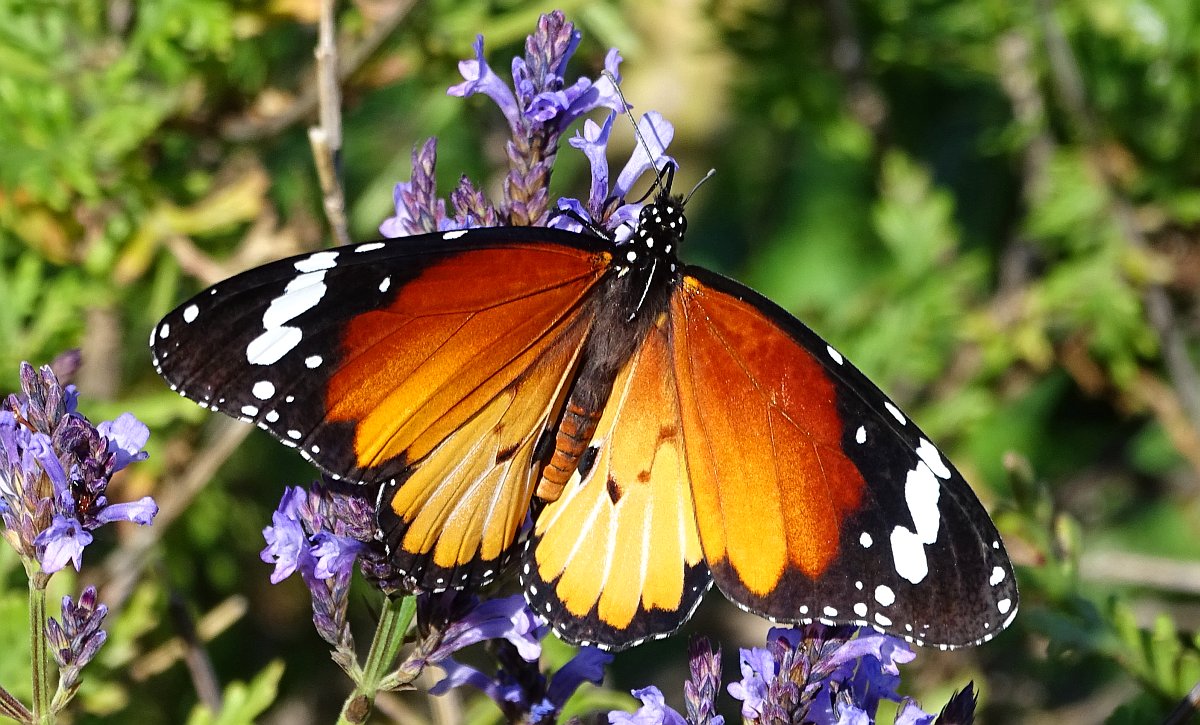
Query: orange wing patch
(450, 385)
(617, 558)
(763, 441)
(452, 339)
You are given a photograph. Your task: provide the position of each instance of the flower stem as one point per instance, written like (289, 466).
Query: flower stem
(394, 621)
(39, 653)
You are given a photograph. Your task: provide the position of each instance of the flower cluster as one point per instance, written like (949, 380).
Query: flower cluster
(538, 107)
(54, 471)
(55, 467)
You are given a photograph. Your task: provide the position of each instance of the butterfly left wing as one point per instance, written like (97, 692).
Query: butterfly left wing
(816, 498)
(428, 365)
(616, 559)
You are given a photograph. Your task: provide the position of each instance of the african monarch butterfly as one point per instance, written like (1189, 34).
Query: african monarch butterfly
(668, 428)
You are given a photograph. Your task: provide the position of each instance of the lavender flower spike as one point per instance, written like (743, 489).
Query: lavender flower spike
(78, 638)
(54, 471)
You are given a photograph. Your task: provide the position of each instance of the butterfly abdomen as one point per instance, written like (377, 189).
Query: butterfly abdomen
(575, 432)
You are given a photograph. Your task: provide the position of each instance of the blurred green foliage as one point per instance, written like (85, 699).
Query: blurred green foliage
(993, 208)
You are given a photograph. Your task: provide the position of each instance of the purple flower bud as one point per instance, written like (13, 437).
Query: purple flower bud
(78, 638)
(701, 690)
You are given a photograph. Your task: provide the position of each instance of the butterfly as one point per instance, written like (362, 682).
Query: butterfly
(628, 428)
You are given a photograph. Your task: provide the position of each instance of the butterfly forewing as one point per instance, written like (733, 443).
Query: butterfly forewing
(816, 498)
(427, 365)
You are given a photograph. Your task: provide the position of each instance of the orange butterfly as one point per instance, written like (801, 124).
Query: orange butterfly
(663, 426)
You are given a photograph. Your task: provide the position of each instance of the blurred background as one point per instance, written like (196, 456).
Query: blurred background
(992, 207)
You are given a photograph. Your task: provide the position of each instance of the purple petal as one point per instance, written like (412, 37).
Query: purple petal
(654, 711)
(565, 221)
(758, 669)
(593, 141)
(141, 512)
(911, 714)
(63, 541)
(586, 666)
(458, 674)
(889, 650)
(852, 715)
(287, 544)
(42, 450)
(479, 78)
(657, 132)
(507, 617)
(126, 436)
(335, 554)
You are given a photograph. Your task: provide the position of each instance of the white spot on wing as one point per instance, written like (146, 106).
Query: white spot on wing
(884, 595)
(263, 389)
(830, 612)
(371, 247)
(312, 362)
(450, 236)
(860, 609)
(921, 493)
(272, 416)
(164, 330)
(997, 576)
(929, 453)
(301, 294)
(270, 346)
(882, 620)
(387, 282)
(1004, 605)
(249, 410)
(895, 412)
(865, 540)
(191, 313)
(860, 435)
(837, 356)
(318, 261)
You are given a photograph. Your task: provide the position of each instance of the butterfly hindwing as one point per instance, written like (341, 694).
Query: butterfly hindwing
(617, 560)
(428, 365)
(816, 498)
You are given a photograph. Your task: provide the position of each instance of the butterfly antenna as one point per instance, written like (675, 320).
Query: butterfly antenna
(658, 179)
(707, 176)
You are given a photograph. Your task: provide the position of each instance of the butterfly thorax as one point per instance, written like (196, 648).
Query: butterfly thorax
(635, 296)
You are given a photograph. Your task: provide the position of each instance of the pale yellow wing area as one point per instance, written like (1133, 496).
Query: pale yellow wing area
(454, 518)
(617, 558)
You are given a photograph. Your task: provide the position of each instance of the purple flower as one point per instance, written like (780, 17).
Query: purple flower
(287, 543)
(55, 467)
(654, 711)
(607, 208)
(418, 210)
(505, 618)
(824, 675)
(320, 533)
(451, 621)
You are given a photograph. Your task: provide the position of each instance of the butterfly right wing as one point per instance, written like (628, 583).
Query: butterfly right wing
(429, 365)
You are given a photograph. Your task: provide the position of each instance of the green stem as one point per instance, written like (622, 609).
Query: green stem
(394, 621)
(39, 651)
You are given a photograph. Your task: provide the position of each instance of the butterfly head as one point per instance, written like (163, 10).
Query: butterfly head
(660, 229)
